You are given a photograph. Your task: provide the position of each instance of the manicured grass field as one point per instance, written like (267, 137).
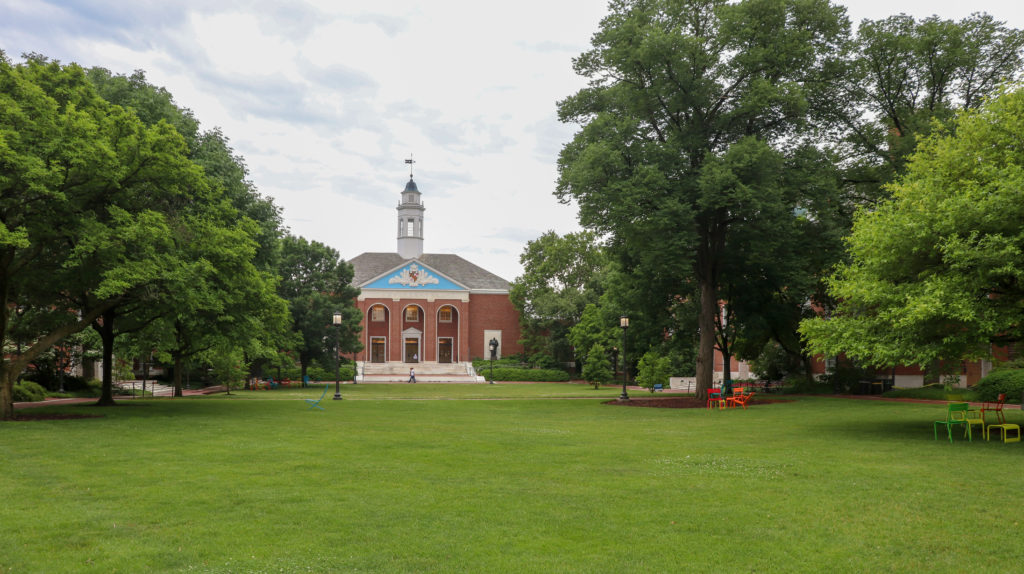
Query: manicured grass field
(427, 478)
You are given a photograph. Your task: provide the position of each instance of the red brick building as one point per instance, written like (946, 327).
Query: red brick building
(428, 307)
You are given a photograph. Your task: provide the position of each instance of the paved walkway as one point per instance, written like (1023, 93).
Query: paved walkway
(52, 402)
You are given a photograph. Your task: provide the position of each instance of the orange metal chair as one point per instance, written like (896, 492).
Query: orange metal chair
(715, 397)
(996, 407)
(739, 400)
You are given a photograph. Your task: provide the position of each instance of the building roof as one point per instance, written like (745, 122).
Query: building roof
(369, 266)
(411, 186)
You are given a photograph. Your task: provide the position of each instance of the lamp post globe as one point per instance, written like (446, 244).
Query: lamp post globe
(624, 323)
(336, 321)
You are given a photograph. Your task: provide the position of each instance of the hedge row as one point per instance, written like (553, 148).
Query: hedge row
(1009, 381)
(528, 375)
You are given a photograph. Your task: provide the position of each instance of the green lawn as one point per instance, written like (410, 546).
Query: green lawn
(419, 478)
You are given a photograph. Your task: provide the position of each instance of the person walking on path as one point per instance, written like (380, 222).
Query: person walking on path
(412, 375)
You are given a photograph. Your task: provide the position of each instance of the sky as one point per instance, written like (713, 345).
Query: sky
(326, 99)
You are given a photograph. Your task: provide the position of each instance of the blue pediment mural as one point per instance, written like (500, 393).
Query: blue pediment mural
(414, 276)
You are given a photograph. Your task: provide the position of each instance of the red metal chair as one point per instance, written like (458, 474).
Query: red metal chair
(996, 407)
(715, 397)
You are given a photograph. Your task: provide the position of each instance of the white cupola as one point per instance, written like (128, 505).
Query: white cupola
(410, 222)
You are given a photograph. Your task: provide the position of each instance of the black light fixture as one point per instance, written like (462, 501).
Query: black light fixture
(624, 323)
(337, 359)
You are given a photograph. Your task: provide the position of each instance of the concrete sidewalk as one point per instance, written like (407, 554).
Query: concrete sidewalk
(52, 402)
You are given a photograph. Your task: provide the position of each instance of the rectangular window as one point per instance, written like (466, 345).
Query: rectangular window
(377, 314)
(412, 314)
(445, 315)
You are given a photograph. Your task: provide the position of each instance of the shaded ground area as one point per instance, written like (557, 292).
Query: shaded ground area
(30, 416)
(680, 402)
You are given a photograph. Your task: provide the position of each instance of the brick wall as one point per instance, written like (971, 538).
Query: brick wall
(493, 313)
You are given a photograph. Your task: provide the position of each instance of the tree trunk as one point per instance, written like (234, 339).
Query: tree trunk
(6, 376)
(106, 330)
(706, 348)
(178, 365)
(726, 363)
(6, 392)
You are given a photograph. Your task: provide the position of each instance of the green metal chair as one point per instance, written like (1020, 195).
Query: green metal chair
(316, 403)
(956, 414)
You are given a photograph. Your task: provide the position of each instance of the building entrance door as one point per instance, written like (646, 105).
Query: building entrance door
(412, 350)
(378, 350)
(444, 350)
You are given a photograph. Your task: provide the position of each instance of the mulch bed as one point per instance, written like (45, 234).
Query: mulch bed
(679, 402)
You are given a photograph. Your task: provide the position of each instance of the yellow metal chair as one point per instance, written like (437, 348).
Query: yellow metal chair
(956, 414)
(974, 417)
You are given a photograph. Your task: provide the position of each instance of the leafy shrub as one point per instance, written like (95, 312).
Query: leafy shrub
(315, 373)
(653, 369)
(511, 362)
(543, 361)
(28, 392)
(800, 384)
(597, 369)
(530, 375)
(1009, 381)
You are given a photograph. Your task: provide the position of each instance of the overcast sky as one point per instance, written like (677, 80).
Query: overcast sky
(326, 99)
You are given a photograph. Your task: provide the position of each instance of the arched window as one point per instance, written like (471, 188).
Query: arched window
(377, 313)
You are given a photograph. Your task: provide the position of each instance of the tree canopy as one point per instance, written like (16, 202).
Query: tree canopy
(690, 126)
(117, 212)
(937, 272)
(316, 282)
(81, 186)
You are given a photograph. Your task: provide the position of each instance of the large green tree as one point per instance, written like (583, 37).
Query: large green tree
(223, 300)
(72, 170)
(693, 117)
(561, 276)
(937, 273)
(228, 192)
(316, 282)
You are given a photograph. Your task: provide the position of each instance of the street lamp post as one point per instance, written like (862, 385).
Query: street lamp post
(494, 353)
(337, 360)
(624, 323)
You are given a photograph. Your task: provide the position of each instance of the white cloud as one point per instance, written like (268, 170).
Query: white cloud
(327, 99)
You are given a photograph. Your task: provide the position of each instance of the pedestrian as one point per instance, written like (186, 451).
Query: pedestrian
(412, 375)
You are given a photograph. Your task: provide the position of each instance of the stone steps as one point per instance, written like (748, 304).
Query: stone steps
(426, 372)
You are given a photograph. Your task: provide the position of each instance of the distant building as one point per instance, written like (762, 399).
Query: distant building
(429, 307)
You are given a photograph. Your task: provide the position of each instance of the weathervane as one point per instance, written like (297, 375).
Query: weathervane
(410, 161)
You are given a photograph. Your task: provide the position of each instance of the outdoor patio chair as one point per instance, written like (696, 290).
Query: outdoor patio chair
(715, 398)
(956, 414)
(316, 403)
(974, 417)
(739, 400)
(996, 407)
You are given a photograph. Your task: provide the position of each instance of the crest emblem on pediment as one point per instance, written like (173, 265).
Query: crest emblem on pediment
(414, 276)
